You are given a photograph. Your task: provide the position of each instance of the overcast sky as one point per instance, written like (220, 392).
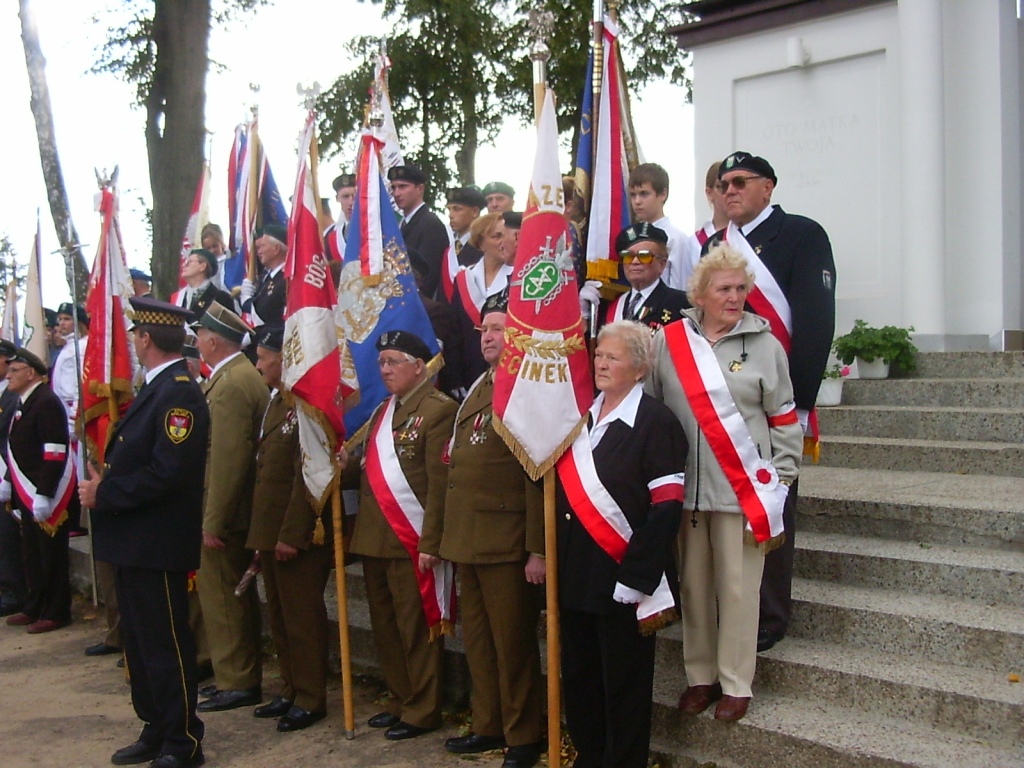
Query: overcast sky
(277, 48)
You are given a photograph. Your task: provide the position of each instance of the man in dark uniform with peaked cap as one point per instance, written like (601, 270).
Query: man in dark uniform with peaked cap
(147, 513)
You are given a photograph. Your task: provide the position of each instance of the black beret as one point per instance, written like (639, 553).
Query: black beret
(271, 337)
(7, 349)
(410, 173)
(150, 311)
(642, 231)
(744, 161)
(499, 188)
(496, 302)
(277, 231)
(345, 180)
(67, 308)
(22, 355)
(51, 317)
(405, 341)
(512, 219)
(211, 260)
(470, 196)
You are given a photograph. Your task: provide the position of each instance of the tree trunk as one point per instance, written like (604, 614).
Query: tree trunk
(56, 195)
(175, 127)
(465, 157)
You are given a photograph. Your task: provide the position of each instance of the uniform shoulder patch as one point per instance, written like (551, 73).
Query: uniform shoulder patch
(183, 378)
(178, 424)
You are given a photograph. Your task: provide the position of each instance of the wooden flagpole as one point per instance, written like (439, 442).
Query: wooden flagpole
(346, 648)
(553, 637)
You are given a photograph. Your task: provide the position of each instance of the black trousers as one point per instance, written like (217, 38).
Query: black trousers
(608, 675)
(46, 570)
(12, 563)
(160, 652)
(777, 578)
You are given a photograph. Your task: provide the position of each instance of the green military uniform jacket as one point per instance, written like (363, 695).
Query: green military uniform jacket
(280, 507)
(238, 399)
(420, 446)
(494, 513)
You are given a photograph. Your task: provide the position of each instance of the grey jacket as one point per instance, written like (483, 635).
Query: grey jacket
(760, 387)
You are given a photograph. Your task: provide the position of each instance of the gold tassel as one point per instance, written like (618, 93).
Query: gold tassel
(765, 546)
(812, 448)
(604, 270)
(318, 532)
(651, 624)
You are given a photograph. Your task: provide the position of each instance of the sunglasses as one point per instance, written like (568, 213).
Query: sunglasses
(644, 257)
(740, 182)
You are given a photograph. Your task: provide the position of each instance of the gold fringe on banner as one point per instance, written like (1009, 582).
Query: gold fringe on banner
(535, 471)
(651, 624)
(605, 270)
(765, 546)
(444, 628)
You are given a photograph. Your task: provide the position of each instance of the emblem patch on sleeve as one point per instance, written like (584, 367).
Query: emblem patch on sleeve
(178, 424)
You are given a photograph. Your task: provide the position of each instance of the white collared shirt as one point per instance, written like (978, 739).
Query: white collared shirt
(750, 226)
(222, 363)
(645, 294)
(624, 412)
(152, 374)
(410, 214)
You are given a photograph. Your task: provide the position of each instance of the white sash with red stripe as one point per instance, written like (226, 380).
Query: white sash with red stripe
(752, 478)
(704, 233)
(450, 272)
(404, 514)
(766, 297)
(26, 489)
(604, 520)
(470, 283)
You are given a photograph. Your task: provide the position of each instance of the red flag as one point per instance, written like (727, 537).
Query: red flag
(312, 361)
(542, 387)
(108, 362)
(197, 219)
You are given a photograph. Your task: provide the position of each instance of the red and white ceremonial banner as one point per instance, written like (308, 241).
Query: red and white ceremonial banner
(370, 201)
(542, 386)
(604, 520)
(109, 363)
(404, 514)
(34, 323)
(9, 327)
(311, 357)
(198, 218)
(752, 478)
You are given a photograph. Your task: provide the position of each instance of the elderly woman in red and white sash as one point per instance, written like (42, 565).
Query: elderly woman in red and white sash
(619, 498)
(727, 380)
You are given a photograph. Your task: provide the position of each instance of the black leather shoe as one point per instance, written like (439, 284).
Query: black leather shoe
(208, 690)
(383, 720)
(402, 730)
(522, 756)
(766, 640)
(298, 718)
(174, 761)
(101, 649)
(139, 752)
(473, 742)
(279, 706)
(222, 700)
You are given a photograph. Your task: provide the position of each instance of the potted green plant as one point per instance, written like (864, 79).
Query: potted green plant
(875, 349)
(831, 390)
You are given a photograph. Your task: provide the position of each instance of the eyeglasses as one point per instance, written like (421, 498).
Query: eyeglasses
(393, 362)
(644, 257)
(740, 182)
(18, 369)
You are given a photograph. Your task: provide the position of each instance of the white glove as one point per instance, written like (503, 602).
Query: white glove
(627, 595)
(590, 295)
(5, 491)
(803, 416)
(247, 290)
(41, 507)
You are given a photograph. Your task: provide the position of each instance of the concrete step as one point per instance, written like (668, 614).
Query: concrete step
(964, 457)
(991, 577)
(935, 628)
(935, 508)
(924, 423)
(965, 365)
(947, 393)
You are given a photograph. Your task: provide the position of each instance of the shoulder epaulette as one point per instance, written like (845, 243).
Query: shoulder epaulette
(441, 396)
(183, 378)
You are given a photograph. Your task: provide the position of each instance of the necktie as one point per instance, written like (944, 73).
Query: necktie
(634, 305)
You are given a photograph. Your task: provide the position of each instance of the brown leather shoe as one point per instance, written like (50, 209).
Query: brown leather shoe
(20, 620)
(697, 698)
(732, 708)
(41, 626)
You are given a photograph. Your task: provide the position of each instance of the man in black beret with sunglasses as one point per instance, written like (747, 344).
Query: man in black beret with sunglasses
(791, 258)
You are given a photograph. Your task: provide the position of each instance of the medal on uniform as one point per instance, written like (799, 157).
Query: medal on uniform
(480, 423)
(289, 423)
(735, 366)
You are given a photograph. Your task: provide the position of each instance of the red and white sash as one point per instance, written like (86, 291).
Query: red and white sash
(752, 478)
(704, 233)
(26, 489)
(604, 520)
(450, 272)
(614, 311)
(404, 514)
(472, 291)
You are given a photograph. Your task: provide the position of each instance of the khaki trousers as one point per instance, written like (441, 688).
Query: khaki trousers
(721, 579)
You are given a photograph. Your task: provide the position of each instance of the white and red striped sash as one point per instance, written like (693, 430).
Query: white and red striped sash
(26, 489)
(704, 233)
(404, 514)
(472, 298)
(766, 297)
(752, 478)
(604, 520)
(614, 311)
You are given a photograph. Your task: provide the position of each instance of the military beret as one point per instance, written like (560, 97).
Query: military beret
(138, 274)
(642, 231)
(271, 337)
(223, 322)
(51, 317)
(496, 302)
(499, 188)
(22, 355)
(69, 309)
(345, 180)
(210, 259)
(150, 311)
(189, 348)
(470, 196)
(410, 173)
(744, 161)
(7, 349)
(404, 341)
(512, 219)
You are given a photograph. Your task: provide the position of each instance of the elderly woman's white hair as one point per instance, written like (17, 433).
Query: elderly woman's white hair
(721, 257)
(636, 337)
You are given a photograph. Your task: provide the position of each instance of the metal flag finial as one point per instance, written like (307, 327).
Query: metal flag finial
(309, 95)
